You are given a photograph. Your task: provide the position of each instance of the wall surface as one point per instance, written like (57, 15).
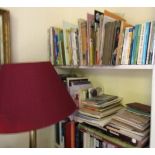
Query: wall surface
(29, 39)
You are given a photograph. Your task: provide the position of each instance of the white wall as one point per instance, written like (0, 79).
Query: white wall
(29, 27)
(29, 39)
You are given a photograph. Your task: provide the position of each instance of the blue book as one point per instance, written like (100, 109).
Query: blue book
(146, 39)
(135, 36)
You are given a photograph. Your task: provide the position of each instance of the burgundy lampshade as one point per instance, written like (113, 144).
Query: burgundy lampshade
(32, 96)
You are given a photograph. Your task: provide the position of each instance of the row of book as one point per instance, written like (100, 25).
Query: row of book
(71, 134)
(104, 38)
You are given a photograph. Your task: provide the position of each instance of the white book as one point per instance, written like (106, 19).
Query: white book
(127, 46)
(67, 41)
(86, 140)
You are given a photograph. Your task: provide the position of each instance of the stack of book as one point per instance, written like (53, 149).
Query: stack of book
(98, 110)
(131, 124)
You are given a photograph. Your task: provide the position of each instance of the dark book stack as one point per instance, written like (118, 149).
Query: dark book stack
(131, 124)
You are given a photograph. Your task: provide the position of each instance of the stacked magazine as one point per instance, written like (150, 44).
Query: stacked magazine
(131, 124)
(99, 110)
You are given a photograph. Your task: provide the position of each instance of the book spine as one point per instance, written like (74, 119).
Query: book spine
(144, 54)
(134, 43)
(120, 44)
(137, 45)
(141, 44)
(150, 51)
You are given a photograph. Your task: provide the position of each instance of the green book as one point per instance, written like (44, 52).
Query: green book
(137, 45)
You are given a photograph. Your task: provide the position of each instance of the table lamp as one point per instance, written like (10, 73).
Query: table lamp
(32, 96)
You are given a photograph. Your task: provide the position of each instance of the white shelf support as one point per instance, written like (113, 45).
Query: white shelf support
(152, 128)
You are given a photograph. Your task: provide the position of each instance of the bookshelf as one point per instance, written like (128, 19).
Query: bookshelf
(122, 68)
(130, 75)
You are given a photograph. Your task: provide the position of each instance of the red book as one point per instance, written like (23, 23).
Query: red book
(70, 134)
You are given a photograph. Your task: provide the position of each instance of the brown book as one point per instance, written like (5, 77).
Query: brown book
(111, 30)
(82, 25)
(90, 39)
(139, 107)
(70, 134)
(113, 15)
(124, 25)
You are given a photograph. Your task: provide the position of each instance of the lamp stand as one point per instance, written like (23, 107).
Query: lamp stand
(33, 139)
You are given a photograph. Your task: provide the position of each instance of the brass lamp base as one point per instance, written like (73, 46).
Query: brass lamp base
(33, 139)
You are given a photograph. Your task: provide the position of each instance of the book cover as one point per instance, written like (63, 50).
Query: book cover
(127, 46)
(125, 136)
(151, 46)
(138, 121)
(146, 39)
(70, 134)
(134, 45)
(67, 41)
(141, 43)
(90, 39)
(139, 108)
(82, 26)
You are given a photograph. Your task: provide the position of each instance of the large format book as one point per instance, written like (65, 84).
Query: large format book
(151, 45)
(82, 26)
(57, 46)
(124, 25)
(128, 128)
(74, 46)
(111, 42)
(136, 41)
(69, 31)
(101, 104)
(90, 39)
(101, 114)
(146, 40)
(127, 46)
(78, 117)
(137, 45)
(138, 121)
(125, 135)
(139, 108)
(70, 134)
(141, 43)
(98, 16)
(113, 15)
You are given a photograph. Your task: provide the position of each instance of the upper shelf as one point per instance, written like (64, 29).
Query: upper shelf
(150, 67)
